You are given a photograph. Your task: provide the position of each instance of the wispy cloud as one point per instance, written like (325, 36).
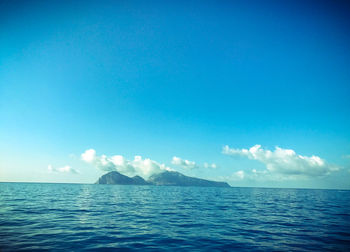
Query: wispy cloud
(238, 175)
(213, 165)
(191, 164)
(282, 163)
(138, 166)
(64, 169)
(183, 163)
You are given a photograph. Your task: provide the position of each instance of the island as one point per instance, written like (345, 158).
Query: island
(166, 178)
(116, 178)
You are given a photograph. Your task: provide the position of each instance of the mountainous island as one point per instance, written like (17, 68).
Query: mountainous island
(166, 178)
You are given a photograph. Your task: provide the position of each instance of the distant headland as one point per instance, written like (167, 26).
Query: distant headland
(166, 178)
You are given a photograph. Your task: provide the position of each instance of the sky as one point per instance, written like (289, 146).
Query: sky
(254, 93)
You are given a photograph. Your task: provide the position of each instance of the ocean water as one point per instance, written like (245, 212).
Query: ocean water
(77, 217)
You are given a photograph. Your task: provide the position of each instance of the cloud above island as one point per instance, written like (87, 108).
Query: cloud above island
(64, 169)
(183, 163)
(281, 163)
(138, 166)
(186, 164)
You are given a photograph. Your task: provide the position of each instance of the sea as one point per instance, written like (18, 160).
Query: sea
(84, 217)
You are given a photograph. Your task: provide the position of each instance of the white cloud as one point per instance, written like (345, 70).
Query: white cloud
(283, 163)
(64, 169)
(138, 166)
(89, 155)
(214, 166)
(238, 175)
(184, 163)
(190, 164)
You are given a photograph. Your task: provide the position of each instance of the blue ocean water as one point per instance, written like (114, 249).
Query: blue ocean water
(75, 217)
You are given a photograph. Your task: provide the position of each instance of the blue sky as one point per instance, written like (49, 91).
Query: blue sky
(181, 79)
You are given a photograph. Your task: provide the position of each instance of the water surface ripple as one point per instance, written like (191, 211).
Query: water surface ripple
(75, 217)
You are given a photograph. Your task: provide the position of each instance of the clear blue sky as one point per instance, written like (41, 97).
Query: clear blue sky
(177, 79)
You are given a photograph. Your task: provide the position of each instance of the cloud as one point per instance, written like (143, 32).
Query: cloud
(238, 175)
(214, 166)
(184, 163)
(283, 163)
(64, 169)
(137, 166)
(190, 164)
(89, 155)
